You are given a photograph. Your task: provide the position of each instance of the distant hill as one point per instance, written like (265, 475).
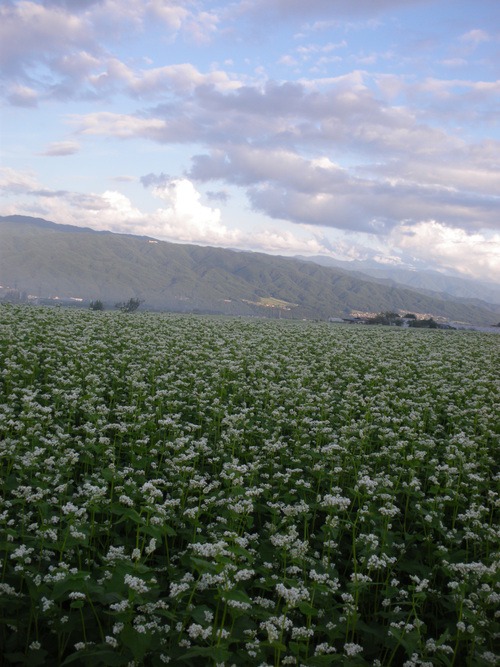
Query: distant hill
(45, 259)
(430, 282)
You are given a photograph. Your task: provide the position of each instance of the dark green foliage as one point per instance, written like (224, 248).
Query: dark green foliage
(129, 306)
(387, 318)
(427, 324)
(96, 305)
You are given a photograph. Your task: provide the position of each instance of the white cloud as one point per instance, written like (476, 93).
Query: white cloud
(316, 191)
(112, 75)
(185, 218)
(13, 181)
(59, 48)
(475, 36)
(422, 170)
(30, 31)
(61, 148)
(181, 78)
(202, 27)
(476, 255)
(119, 210)
(288, 60)
(170, 14)
(123, 126)
(374, 153)
(22, 96)
(286, 242)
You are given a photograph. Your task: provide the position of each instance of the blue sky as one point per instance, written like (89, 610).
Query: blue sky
(366, 129)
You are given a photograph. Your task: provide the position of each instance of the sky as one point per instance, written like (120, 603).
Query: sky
(360, 130)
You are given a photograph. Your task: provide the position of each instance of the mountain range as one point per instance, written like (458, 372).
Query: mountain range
(47, 260)
(430, 282)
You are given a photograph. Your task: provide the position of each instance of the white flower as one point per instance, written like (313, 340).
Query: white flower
(292, 596)
(352, 649)
(76, 595)
(324, 648)
(136, 584)
(151, 546)
(330, 500)
(120, 606)
(302, 633)
(195, 630)
(47, 604)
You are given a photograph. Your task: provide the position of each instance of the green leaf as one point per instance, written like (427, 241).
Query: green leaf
(237, 595)
(73, 582)
(108, 474)
(307, 609)
(126, 514)
(99, 656)
(198, 614)
(203, 565)
(138, 642)
(216, 653)
(77, 604)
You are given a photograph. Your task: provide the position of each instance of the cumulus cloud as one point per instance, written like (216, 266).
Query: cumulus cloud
(117, 210)
(182, 217)
(30, 32)
(111, 75)
(202, 27)
(476, 255)
(412, 180)
(13, 181)
(170, 14)
(318, 192)
(64, 48)
(185, 218)
(379, 154)
(410, 170)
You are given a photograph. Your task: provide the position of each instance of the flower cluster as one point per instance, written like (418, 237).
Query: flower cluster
(189, 490)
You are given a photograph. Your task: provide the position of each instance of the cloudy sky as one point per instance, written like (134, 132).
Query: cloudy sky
(367, 129)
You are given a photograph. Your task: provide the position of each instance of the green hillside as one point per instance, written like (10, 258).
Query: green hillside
(431, 283)
(47, 260)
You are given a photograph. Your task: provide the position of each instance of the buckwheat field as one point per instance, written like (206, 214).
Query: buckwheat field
(206, 491)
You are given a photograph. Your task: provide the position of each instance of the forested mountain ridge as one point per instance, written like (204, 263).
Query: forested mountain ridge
(45, 259)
